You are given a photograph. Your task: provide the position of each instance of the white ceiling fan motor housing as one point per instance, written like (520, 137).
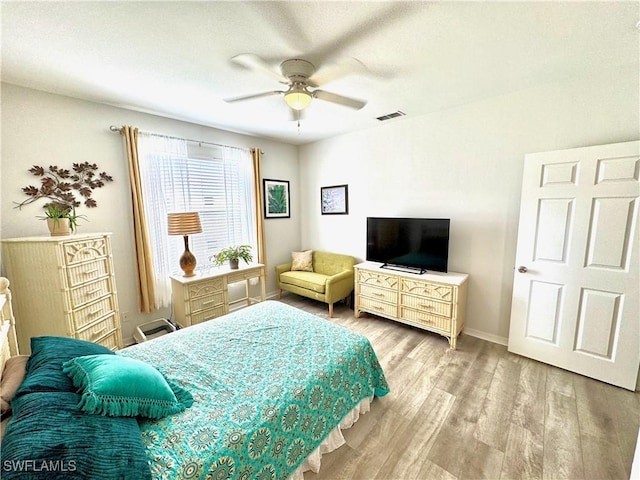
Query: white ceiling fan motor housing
(297, 70)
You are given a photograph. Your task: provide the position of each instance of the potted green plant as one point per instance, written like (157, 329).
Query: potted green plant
(58, 186)
(61, 219)
(233, 255)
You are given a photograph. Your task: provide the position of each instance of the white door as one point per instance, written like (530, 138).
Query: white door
(575, 291)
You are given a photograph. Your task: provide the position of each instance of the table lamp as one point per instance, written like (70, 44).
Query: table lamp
(185, 224)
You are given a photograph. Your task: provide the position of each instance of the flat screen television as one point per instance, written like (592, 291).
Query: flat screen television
(420, 244)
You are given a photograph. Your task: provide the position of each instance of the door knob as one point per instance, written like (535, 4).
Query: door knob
(522, 269)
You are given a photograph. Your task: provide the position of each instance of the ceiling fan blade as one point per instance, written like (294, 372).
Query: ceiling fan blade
(332, 72)
(252, 96)
(389, 14)
(284, 22)
(254, 62)
(339, 99)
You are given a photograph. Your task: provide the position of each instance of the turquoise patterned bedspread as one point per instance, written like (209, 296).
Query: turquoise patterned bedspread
(269, 383)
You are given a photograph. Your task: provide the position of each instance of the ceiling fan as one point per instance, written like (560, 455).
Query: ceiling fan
(301, 77)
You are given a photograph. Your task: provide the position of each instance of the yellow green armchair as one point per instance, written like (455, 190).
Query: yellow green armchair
(330, 281)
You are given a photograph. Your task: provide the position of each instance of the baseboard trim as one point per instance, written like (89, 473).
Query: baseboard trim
(486, 336)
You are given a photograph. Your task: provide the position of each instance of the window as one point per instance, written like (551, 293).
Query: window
(181, 176)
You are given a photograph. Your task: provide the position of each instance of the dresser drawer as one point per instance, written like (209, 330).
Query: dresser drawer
(242, 275)
(378, 279)
(433, 290)
(89, 292)
(92, 312)
(111, 341)
(426, 304)
(377, 306)
(208, 302)
(86, 272)
(426, 319)
(205, 287)
(99, 330)
(377, 293)
(205, 315)
(84, 250)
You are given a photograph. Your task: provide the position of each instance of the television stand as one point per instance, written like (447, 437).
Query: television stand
(401, 268)
(431, 302)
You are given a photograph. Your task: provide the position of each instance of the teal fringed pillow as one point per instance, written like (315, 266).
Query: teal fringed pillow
(120, 386)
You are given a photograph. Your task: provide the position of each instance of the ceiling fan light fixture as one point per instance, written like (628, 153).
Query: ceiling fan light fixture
(297, 98)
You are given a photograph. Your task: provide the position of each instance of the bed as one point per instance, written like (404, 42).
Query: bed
(271, 388)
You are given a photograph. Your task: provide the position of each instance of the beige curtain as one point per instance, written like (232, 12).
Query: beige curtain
(256, 154)
(146, 291)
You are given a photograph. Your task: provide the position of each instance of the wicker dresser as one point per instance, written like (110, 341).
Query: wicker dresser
(431, 301)
(63, 286)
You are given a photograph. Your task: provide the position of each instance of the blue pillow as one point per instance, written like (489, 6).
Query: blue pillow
(44, 368)
(48, 437)
(120, 386)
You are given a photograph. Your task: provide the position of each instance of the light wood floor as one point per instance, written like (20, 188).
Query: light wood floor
(477, 412)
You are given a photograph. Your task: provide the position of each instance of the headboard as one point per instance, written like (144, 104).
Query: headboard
(8, 340)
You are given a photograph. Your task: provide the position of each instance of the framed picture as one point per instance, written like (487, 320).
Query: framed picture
(276, 198)
(334, 200)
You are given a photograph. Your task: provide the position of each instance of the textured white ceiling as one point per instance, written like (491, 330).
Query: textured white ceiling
(173, 58)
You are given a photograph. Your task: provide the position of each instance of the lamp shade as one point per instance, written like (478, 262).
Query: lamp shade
(184, 223)
(297, 98)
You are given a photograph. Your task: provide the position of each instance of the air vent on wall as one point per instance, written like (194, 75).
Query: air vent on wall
(389, 116)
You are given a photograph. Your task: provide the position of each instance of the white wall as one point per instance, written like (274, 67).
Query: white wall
(44, 129)
(465, 164)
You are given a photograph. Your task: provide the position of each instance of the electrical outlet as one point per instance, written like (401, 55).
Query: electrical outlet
(124, 317)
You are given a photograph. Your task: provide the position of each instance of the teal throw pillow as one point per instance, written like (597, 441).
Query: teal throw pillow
(120, 386)
(44, 368)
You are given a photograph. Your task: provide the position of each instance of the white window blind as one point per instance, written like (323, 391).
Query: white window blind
(215, 181)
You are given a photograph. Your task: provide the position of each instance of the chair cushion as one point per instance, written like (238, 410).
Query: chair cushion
(309, 280)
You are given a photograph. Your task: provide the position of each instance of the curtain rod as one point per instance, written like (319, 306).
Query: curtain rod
(114, 128)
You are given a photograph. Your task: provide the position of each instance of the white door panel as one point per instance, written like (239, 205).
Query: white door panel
(575, 302)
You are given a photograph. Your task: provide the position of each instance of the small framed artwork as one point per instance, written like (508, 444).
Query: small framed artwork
(334, 200)
(276, 198)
